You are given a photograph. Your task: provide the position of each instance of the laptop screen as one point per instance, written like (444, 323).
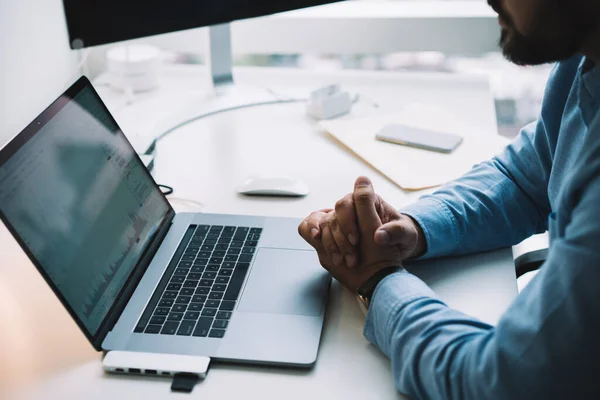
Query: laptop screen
(81, 202)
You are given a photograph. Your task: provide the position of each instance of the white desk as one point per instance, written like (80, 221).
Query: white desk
(205, 161)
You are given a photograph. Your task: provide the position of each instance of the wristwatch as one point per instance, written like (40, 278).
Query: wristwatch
(368, 288)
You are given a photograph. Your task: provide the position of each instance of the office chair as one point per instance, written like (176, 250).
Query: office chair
(529, 256)
(531, 253)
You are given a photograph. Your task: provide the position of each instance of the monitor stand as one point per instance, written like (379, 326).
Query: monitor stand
(224, 94)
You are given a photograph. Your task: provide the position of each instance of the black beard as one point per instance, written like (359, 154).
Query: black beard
(549, 42)
(522, 50)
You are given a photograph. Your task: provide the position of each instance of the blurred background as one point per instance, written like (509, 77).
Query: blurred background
(448, 36)
(518, 91)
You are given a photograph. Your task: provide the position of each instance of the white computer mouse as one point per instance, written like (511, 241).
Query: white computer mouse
(273, 186)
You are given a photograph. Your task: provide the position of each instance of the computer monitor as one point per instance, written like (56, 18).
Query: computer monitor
(97, 22)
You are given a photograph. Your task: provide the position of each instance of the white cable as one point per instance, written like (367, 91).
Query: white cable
(279, 99)
(224, 110)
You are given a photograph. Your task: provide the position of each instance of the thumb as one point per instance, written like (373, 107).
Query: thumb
(394, 233)
(364, 200)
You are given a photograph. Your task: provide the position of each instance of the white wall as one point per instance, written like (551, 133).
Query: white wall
(36, 63)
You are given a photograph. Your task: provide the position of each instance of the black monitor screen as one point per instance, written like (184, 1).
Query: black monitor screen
(75, 194)
(95, 22)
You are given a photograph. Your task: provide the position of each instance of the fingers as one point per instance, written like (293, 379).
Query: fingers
(346, 249)
(310, 228)
(382, 237)
(364, 201)
(395, 233)
(330, 246)
(346, 218)
(321, 230)
(392, 233)
(401, 233)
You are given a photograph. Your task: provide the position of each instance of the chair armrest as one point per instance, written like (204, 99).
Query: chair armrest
(530, 254)
(530, 261)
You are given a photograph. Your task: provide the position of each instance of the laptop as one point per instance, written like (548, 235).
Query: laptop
(135, 275)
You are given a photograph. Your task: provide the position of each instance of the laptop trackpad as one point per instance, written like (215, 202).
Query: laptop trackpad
(285, 282)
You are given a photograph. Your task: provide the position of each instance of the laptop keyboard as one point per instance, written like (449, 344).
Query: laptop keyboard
(199, 289)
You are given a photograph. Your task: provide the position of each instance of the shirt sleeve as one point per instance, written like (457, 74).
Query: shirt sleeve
(502, 201)
(545, 346)
(499, 203)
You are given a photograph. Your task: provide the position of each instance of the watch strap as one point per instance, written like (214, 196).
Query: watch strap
(368, 288)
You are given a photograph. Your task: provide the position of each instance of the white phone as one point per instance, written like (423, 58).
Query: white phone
(420, 138)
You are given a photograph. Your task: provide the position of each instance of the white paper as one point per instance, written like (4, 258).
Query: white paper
(411, 168)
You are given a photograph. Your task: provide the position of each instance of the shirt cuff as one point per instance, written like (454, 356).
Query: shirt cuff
(391, 296)
(438, 224)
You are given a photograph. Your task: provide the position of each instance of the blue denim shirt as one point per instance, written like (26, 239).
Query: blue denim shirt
(547, 345)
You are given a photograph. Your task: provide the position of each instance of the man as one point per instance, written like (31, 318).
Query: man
(547, 345)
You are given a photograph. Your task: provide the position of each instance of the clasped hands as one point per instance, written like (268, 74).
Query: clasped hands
(361, 235)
